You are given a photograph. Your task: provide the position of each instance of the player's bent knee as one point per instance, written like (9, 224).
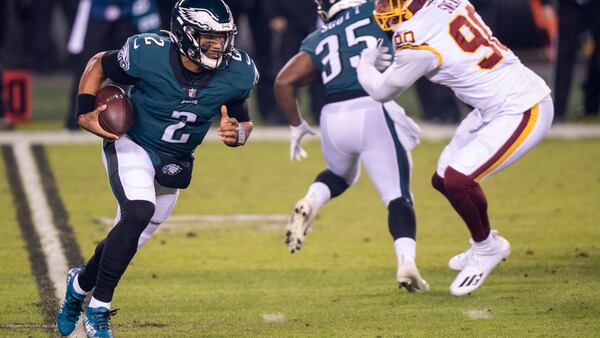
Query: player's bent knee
(336, 184)
(137, 213)
(438, 183)
(456, 182)
(401, 203)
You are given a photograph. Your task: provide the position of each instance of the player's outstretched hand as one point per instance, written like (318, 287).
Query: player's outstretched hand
(384, 59)
(296, 135)
(89, 122)
(378, 56)
(228, 130)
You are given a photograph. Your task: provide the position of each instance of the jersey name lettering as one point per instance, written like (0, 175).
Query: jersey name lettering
(339, 21)
(450, 5)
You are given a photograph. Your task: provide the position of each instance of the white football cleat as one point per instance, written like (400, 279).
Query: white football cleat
(408, 276)
(459, 261)
(300, 224)
(478, 266)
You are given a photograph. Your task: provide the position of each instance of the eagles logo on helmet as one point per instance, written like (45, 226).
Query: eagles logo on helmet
(327, 9)
(204, 31)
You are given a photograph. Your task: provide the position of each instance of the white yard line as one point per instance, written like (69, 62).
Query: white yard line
(192, 223)
(56, 261)
(42, 218)
(478, 314)
(175, 219)
(273, 317)
(429, 132)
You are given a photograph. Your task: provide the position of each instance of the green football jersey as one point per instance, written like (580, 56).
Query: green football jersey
(172, 112)
(335, 48)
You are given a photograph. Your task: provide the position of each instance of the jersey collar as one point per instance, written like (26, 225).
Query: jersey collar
(415, 6)
(199, 80)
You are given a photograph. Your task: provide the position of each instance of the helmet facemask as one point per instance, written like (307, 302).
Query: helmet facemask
(321, 11)
(208, 49)
(390, 13)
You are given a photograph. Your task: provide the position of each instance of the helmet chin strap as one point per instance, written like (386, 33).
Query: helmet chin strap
(173, 39)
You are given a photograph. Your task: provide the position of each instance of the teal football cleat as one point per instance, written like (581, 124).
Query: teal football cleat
(97, 322)
(69, 312)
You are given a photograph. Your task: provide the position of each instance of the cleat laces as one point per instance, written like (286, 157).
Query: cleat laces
(102, 319)
(72, 307)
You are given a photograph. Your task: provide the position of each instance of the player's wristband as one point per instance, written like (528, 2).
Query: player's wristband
(241, 137)
(85, 104)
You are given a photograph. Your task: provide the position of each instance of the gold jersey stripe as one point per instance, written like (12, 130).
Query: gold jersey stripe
(530, 124)
(424, 47)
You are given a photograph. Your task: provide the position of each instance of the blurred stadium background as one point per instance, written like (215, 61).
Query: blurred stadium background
(34, 37)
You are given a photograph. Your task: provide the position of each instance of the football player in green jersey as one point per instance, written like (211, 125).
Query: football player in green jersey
(354, 127)
(181, 82)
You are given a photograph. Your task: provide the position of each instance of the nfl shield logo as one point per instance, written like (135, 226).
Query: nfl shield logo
(192, 93)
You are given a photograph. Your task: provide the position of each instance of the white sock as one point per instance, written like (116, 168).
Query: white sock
(320, 193)
(405, 246)
(96, 303)
(77, 287)
(487, 246)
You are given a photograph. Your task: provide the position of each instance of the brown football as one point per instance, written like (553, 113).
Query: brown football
(117, 118)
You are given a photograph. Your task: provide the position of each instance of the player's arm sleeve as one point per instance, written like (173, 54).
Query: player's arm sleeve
(113, 71)
(409, 65)
(309, 48)
(238, 107)
(238, 110)
(129, 58)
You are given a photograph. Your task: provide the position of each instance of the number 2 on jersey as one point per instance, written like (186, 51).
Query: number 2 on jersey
(171, 130)
(332, 43)
(479, 37)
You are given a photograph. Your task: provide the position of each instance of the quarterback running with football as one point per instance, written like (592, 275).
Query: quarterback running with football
(446, 41)
(181, 82)
(354, 127)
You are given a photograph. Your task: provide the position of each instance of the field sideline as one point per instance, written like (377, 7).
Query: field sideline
(228, 276)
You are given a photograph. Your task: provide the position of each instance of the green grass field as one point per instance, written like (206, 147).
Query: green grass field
(237, 279)
(18, 292)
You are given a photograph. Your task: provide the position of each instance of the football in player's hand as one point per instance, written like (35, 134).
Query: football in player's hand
(117, 118)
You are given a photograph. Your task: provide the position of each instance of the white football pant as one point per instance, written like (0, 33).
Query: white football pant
(480, 149)
(131, 176)
(362, 129)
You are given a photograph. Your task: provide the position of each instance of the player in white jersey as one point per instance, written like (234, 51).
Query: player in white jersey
(446, 41)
